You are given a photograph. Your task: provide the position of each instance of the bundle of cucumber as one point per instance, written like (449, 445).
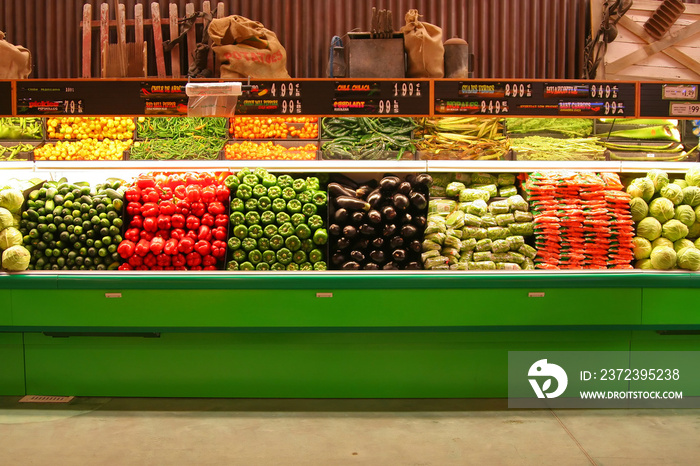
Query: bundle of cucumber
(73, 226)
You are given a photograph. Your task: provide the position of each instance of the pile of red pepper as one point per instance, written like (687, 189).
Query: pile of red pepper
(176, 222)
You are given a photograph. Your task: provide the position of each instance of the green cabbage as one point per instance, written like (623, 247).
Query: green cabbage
(643, 264)
(15, 259)
(692, 176)
(674, 230)
(662, 209)
(641, 187)
(691, 196)
(454, 188)
(689, 258)
(649, 228)
(663, 258)
(685, 214)
(673, 192)
(682, 244)
(11, 199)
(660, 179)
(642, 247)
(6, 219)
(10, 237)
(694, 230)
(681, 183)
(658, 242)
(697, 243)
(639, 208)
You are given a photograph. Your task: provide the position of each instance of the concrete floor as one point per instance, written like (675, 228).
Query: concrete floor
(136, 431)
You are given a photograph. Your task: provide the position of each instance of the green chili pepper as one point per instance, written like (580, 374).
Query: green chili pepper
(237, 218)
(244, 192)
(294, 206)
(237, 204)
(284, 256)
(299, 257)
(234, 243)
(240, 231)
(282, 217)
(267, 217)
(315, 222)
(320, 265)
(315, 256)
(262, 266)
(251, 204)
(232, 265)
(274, 192)
(252, 218)
(269, 256)
(255, 231)
(309, 209)
(297, 219)
(286, 229)
(320, 236)
(264, 243)
(255, 256)
(264, 203)
(259, 190)
(270, 230)
(278, 205)
(285, 181)
(276, 242)
(293, 243)
(303, 231)
(288, 193)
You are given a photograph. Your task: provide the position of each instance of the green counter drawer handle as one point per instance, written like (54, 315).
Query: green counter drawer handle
(113, 295)
(324, 295)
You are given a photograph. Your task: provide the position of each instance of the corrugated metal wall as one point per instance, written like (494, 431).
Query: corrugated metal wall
(509, 38)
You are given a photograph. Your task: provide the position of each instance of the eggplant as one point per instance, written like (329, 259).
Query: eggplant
(413, 266)
(337, 258)
(345, 181)
(357, 256)
(388, 184)
(389, 212)
(374, 216)
(399, 255)
(341, 215)
(404, 188)
(389, 230)
(374, 198)
(351, 203)
(363, 191)
(343, 243)
(378, 256)
(418, 200)
(378, 242)
(406, 219)
(371, 266)
(408, 231)
(411, 178)
(396, 242)
(334, 230)
(349, 231)
(362, 243)
(415, 246)
(351, 266)
(420, 221)
(400, 202)
(390, 266)
(424, 180)
(358, 218)
(337, 190)
(367, 230)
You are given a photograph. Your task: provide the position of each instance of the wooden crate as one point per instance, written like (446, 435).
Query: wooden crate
(634, 55)
(160, 24)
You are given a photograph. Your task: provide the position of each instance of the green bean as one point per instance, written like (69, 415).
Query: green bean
(177, 127)
(180, 148)
(10, 152)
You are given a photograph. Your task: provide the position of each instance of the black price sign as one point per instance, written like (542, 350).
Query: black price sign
(535, 98)
(669, 100)
(164, 98)
(342, 98)
(5, 98)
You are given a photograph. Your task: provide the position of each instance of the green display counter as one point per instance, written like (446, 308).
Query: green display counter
(321, 334)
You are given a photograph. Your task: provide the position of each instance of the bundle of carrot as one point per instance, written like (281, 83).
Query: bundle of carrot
(465, 138)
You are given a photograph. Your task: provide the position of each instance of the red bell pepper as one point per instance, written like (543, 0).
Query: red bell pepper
(133, 208)
(142, 267)
(170, 247)
(161, 179)
(156, 267)
(208, 220)
(165, 234)
(179, 261)
(157, 245)
(216, 208)
(194, 259)
(135, 261)
(163, 260)
(142, 247)
(192, 222)
(167, 208)
(125, 266)
(147, 235)
(177, 233)
(221, 220)
(208, 260)
(150, 195)
(180, 191)
(202, 247)
(197, 268)
(183, 206)
(133, 194)
(210, 267)
(177, 221)
(222, 193)
(145, 182)
(186, 245)
(150, 209)
(191, 234)
(166, 193)
(169, 268)
(149, 261)
(150, 224)
(218, 249)
(204, 233)
(163, 222)
(219, 233)
(198, 209)
(132, 234)
(126, 249)
(208, 194)
(194, 192)
(136, 221)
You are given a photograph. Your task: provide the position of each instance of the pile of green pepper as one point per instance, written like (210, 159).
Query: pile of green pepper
(20, 128)
(11, 151)
(277, 222)
(367, 138)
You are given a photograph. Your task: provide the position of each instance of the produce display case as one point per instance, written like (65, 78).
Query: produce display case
(322, 334)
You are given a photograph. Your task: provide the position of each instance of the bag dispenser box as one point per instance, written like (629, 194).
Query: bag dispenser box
(375, 58)
(212, 99)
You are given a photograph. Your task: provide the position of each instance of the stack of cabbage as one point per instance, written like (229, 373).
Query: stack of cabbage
(14, 256)
(480, 232)
(667, 215)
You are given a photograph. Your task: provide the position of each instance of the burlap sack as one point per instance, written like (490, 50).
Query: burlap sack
(246, 48)
(15, 60)
(423, 44)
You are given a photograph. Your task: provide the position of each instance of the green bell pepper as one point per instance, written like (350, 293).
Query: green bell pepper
(303, 231)
(305, 266)
(264, 203)
(282, 217)
(315, 222)
(232, 265)
(239, 255)
(262, 266)
(309, 209)
(320, 265)
(284, 181)
(276, 242)
(244, 192)
(294, 206)
(248, 244)
(278, 266)
(315, 256)
(269, 180)
(313, 182)
(267, 217)
(232, 182)
(306, 196)
(237, 205)
(255, 231)
(293, 243)
(279, 205)
(320, 198)
(286, 229)
(292, 267)
(299, 257)
(259, 190)
(307, 245)
(284, 256)
(237, 218)
(288, 193)
(240, 231)
(250, 180)
(269, 256)
(264, 243)
(251, 204)
(270, 230)
(320, 236)
(234, 243)
(247, 266)
(252, 218)
(274, 192)
(299, 185)
(255, 256)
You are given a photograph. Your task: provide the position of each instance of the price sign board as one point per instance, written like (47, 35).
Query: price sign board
(5, 98)
(164, 98)
(535, 98)
(669, 100)
(342, 98)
